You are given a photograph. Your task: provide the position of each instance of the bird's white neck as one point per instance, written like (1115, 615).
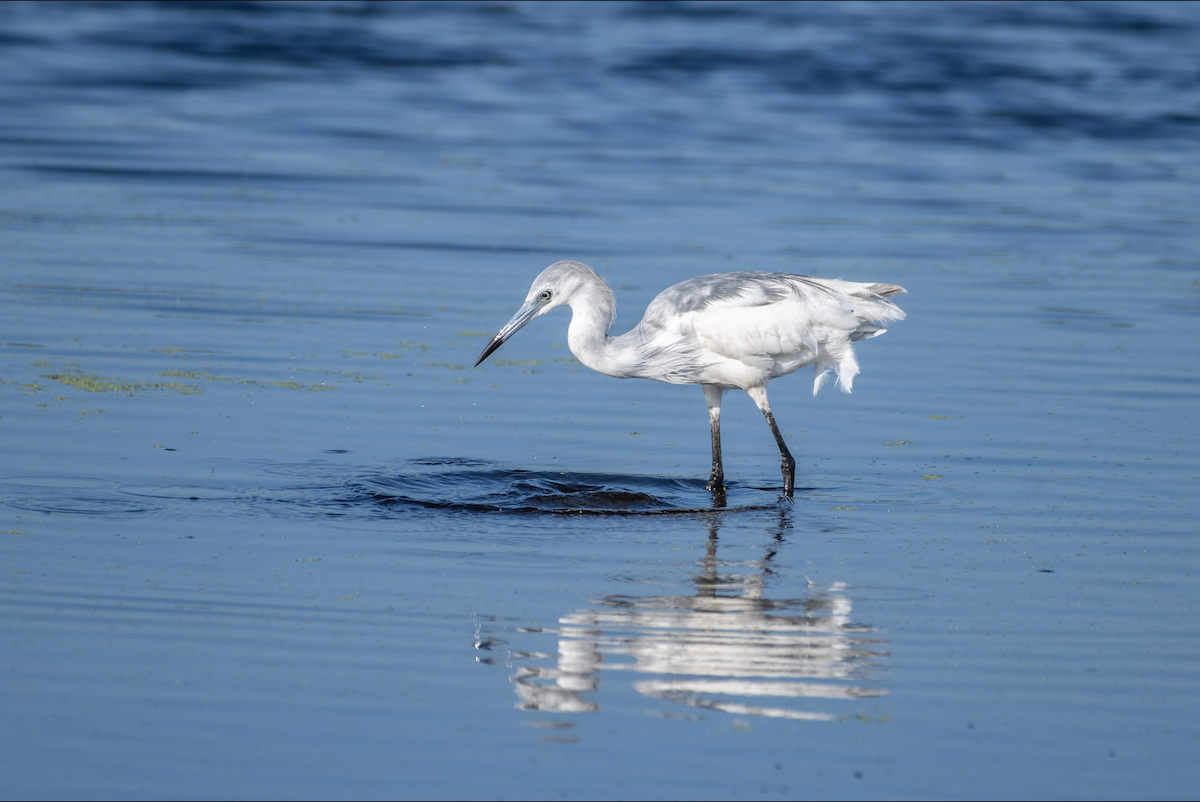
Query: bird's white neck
(593, 310)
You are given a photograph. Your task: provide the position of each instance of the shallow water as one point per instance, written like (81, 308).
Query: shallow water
(267, 534)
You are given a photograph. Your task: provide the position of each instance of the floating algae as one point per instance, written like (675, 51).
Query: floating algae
(358, 377)
(299, 386)
(182, 352)
(204, 375)
(404, 344)
(91, 383)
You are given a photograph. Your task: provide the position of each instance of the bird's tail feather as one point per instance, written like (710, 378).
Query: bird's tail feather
(866, 331)
(836, 355)
(871, 304)
(886, 290)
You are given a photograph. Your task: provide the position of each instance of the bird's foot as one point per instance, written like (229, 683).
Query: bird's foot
(789, 477)
(716, 486)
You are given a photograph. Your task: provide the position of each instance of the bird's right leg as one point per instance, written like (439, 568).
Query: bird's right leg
(788, 465)
(712, 397)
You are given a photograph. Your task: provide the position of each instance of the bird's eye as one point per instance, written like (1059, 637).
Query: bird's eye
(544, 295)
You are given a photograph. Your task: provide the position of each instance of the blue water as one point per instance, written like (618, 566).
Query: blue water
(265, 533)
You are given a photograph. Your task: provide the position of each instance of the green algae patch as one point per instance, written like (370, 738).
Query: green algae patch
(202, 375)
(179, 352)
(517, 361)
(405, 344)
(91, 383)
(358, 377)
(300, 386)
(92, 412)
(446, 365)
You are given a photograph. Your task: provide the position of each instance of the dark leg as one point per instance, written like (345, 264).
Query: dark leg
(759, 394)
(716, 479)
(789, 464)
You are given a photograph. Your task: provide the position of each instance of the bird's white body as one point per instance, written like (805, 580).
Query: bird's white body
(731, 330)
(722, 331)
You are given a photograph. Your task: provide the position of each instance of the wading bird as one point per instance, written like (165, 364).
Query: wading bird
(723, 332)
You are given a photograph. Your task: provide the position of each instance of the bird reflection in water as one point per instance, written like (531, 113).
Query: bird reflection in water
(726, 647)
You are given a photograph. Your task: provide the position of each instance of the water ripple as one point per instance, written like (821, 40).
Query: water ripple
(482, 487)
(53, 495)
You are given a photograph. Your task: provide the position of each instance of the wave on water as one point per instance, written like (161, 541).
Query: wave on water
(328, 489)
(478, 486)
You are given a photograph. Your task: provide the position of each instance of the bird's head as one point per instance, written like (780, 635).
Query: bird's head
(557, 285)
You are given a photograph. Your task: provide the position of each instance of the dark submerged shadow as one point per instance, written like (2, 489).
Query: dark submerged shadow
(477, 486)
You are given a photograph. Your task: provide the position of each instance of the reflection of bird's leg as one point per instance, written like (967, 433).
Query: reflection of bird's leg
(784, 520)
(716, 480)
(759, 394)
(776, 542)
(706, 585)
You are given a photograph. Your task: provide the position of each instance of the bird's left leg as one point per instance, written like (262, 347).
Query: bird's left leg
(712, 397)
(759, 395)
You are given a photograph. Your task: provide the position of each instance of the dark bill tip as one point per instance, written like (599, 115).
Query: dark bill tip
(491, 349)
(525, 314)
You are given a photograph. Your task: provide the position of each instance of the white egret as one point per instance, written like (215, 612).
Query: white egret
(724, 331)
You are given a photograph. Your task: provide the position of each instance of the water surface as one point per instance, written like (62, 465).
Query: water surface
(266, 533)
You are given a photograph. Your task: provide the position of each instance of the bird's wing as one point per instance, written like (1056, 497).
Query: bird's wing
(697, 294)
(779, 322)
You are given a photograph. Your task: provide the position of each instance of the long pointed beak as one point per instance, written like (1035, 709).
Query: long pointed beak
(524, 315)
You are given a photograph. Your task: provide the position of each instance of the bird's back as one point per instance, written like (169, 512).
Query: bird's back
(742, 329)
